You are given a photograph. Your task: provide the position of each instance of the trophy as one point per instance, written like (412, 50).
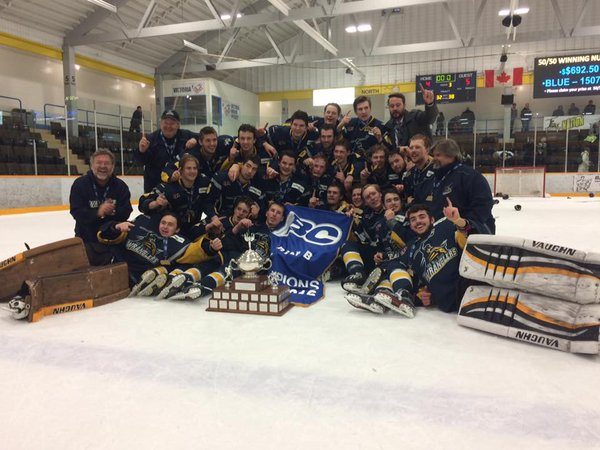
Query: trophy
(251, 293)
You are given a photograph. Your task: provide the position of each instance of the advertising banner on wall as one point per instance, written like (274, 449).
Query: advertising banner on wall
(581, 122)
(231, 110)
(183, 88)
(586, 183)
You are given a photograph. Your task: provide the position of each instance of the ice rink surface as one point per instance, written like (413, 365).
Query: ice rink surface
(144, 374)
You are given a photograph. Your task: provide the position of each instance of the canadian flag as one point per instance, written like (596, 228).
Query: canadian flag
(501, 78)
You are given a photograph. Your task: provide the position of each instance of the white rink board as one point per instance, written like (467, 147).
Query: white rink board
(140, 374)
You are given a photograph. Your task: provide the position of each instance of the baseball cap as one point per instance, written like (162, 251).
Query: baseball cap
(170, 114)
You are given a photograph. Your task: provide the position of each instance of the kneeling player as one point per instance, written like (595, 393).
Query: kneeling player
(430, 262)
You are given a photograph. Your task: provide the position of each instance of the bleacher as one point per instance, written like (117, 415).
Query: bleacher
(108, 138)
(17, 152)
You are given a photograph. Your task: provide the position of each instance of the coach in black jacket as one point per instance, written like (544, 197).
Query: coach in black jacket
(161, 147)
(404, 124)
(467, 189)
(97, 198)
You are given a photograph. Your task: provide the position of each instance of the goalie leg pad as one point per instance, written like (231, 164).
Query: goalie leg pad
(51, 259)
(532, 318)
(73, 291)
(533, 266)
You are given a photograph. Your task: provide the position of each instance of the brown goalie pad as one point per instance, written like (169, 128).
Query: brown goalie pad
(73, 291)
(50, 259)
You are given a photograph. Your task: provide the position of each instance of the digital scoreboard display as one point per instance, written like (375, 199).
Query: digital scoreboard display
(448, 87)
(566, 76)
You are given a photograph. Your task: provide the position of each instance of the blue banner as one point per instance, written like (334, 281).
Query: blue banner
(304, 246)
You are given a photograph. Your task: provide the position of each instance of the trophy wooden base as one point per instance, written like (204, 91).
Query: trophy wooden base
(251, 296)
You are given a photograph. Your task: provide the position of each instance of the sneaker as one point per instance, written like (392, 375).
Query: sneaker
(354, 282)
(172, 287)
(147, 277)
(372, 281)
(400, 302)
(191, 292)
(155, 286)
(365, 302)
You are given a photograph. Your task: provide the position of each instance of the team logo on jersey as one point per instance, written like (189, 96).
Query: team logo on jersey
(437, 258)
(447, 190)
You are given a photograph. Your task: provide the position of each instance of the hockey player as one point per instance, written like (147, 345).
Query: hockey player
(210, 150)
(345, 166)
(335, 199)
(417, 180)
(235, 245)
(428, 264)
(316, 187)
(188, 197)
(224, 191)
(376, 170)
(152, 241)
(245, 147)
(368, 230)
(185, 284)
(284, 185)
(325, 146)
(364, 131)
(96, 198)
(294, 137)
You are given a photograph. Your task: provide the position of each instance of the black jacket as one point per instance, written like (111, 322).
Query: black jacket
(86, 196)
(161, 152)
(415, 121)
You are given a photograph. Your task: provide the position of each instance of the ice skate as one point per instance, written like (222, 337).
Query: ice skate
(354, 282)
(147, 277)
(172, 287)
(366, 302)
(155, 286)
(191, 292)
(401, 302)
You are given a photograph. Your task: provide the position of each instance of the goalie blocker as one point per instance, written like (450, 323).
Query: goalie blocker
(541, 320)
(533, 266)
(73, 291)
(51, 259)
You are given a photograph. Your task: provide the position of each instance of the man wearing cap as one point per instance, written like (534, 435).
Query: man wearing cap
(161, 147)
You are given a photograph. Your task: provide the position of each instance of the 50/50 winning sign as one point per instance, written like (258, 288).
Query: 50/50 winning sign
(448, 87)
(566, 76)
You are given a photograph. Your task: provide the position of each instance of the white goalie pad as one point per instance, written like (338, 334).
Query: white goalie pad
(533, 266)
(541, 320)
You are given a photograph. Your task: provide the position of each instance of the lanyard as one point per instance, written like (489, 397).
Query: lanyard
(296, 146)
(103, 199)
(169, 147)
(165, 248)
(436, 184)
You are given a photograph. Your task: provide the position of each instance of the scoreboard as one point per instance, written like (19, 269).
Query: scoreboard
(448, 87)
(566, 76)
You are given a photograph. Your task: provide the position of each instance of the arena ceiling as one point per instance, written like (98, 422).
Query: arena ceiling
(241, 34)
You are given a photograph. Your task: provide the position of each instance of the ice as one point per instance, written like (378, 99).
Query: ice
(144, 374)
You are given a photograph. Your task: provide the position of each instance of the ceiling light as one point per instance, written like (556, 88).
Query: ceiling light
(194, 47)
(351, 29)
(364, 27)
(506, 12)
(238, 15)
(225, 17)
(104, 5)
(143, 85)
(77, 67)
